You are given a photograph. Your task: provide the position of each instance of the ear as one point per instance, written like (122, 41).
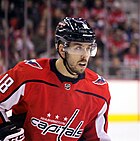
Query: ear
(61, 50)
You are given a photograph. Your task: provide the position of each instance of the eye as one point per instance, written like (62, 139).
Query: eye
(88, 48)
(78, 48)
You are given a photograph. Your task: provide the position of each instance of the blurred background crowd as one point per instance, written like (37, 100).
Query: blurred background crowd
(27, 29)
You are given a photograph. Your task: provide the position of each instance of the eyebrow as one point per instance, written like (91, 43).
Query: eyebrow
(77, 44)
(81, 44)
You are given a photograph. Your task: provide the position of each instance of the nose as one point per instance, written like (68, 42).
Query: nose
(85, 54)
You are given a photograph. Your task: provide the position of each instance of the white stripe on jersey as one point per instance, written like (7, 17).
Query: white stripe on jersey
(99, 123)
(13, 99)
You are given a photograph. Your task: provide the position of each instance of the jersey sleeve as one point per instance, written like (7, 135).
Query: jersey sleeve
(11, 89)
(97, 128)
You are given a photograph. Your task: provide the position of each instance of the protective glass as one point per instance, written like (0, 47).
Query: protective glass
(80, 50)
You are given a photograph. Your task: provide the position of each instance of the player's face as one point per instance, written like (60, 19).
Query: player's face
(77, 56)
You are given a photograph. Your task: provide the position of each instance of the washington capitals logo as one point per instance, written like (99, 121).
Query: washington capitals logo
(33, 63)
(60, 130)
(99, 81)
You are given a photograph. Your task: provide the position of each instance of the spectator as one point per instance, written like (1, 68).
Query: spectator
(133, 30)
(118, 39)
(39, 40)
(2, 40)
(2, 67)
(132, 57)
(78, 9)
(20, 45)
(96, 64)
(98, 12)
(115, 68)
(116, 16)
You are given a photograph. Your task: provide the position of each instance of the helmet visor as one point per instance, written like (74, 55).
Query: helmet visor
(78, 49)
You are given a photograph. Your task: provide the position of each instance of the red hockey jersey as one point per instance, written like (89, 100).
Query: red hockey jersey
(57, 108)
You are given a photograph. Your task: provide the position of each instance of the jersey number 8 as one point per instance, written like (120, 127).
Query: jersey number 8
(5, 83)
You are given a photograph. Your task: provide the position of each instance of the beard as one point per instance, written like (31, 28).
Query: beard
(76, 67)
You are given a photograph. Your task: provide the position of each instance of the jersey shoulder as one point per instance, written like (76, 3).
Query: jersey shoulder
(97, 83)
(34, 64)
(30, 69)
(95, 78)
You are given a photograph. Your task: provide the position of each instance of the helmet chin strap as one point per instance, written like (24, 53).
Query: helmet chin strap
(65, 62)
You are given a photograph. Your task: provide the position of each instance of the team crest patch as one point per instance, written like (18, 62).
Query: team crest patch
(99, 81)
(33, 63)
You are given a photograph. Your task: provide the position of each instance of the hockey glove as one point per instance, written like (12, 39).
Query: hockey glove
(9, 132)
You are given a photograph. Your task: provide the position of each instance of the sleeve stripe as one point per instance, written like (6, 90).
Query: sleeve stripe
(7, 104)
(100, 123)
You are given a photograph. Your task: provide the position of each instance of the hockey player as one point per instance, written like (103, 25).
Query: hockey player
(57, 99)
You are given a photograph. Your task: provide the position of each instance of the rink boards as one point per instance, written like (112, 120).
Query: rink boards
(125, 100)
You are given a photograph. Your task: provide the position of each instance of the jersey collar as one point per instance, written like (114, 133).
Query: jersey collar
(63, 78)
